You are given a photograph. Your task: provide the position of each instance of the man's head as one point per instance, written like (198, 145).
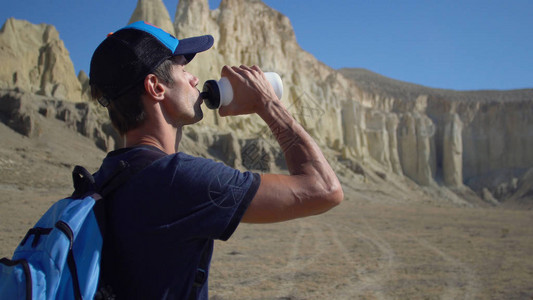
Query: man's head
(123, 60)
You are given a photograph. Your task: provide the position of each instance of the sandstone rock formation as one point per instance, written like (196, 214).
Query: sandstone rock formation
(416, 147)
(392, 129)
(378, 137)
(21, 117)
(249, 32)
(524, 189)
(156, 12)
(35, 60)
(452, 150)
(23, 112)
(354, 125)
(85, 87)
(476, 135)
(377, 127)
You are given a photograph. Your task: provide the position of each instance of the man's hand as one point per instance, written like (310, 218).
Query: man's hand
(251, 91)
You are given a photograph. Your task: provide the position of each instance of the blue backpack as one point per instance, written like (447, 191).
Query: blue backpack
(59, 258)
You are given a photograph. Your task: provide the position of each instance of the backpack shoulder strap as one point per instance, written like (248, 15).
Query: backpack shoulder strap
(127, 169)
(83, 182)
(201, 272)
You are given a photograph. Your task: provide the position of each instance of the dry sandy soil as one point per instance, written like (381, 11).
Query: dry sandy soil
(375, 245)
(366, 249)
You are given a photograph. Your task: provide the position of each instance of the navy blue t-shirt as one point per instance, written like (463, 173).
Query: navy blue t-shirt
(166, 216)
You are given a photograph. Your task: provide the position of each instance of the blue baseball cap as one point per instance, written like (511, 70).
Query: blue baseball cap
(126, 56)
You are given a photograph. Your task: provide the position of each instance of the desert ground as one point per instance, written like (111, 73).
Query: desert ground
(378, 244)
(368, 249)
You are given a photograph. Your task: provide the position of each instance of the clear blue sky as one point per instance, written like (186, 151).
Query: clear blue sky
(453, 44)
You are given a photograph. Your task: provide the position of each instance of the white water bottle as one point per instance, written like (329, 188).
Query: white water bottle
(218, 93)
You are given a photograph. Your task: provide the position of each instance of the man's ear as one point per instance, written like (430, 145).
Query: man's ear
(154, 87)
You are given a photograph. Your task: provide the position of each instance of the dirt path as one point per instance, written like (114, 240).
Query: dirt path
(376, 250)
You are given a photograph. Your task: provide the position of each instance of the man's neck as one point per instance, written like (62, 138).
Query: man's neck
(167, 140)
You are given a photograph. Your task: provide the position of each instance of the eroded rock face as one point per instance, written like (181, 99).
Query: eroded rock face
(17, 112)
(85, 86)
(378, 137)
(354, 124)
(35, 60)
(24, 112)
(227, 148)
(251, 33)
(452, 150)
(498, 136)
(416, 147)
(155, 12)
(392, 129)
(360, 123)
(425, 134)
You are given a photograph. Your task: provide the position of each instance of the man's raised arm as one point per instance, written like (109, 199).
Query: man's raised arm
(312, 187)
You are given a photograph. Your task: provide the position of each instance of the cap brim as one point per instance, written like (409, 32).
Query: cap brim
(190, 46)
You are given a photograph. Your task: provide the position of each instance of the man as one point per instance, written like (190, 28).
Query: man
(164, 219)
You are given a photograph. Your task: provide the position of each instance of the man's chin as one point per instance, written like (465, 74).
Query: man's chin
(198, 115)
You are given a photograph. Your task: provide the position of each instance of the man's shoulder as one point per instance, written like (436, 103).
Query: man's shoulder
(194, 161)
(181, 165)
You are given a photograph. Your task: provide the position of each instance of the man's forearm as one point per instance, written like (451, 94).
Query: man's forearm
(302, 154)
(312, 187)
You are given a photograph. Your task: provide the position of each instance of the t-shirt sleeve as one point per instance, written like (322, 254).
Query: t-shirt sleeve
(209, 198)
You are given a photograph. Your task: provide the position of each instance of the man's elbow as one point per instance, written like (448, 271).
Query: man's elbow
(336, 195)
(331, 197)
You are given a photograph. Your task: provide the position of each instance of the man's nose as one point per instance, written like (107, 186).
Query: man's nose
(195, 81)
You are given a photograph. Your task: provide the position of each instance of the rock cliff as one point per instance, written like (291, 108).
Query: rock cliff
(429, 135)
(155, 11)
(367, 124)
(35, 60)
(24, 113)
(472, 137)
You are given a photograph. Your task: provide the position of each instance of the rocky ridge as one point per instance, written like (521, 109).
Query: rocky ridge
(371, 127)
(35, 60)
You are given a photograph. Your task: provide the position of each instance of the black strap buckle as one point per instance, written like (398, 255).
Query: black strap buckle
(200, 278)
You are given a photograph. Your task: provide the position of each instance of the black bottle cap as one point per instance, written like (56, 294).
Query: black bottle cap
(211, 94)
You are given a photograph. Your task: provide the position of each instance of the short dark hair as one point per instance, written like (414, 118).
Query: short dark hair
(127, 111)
